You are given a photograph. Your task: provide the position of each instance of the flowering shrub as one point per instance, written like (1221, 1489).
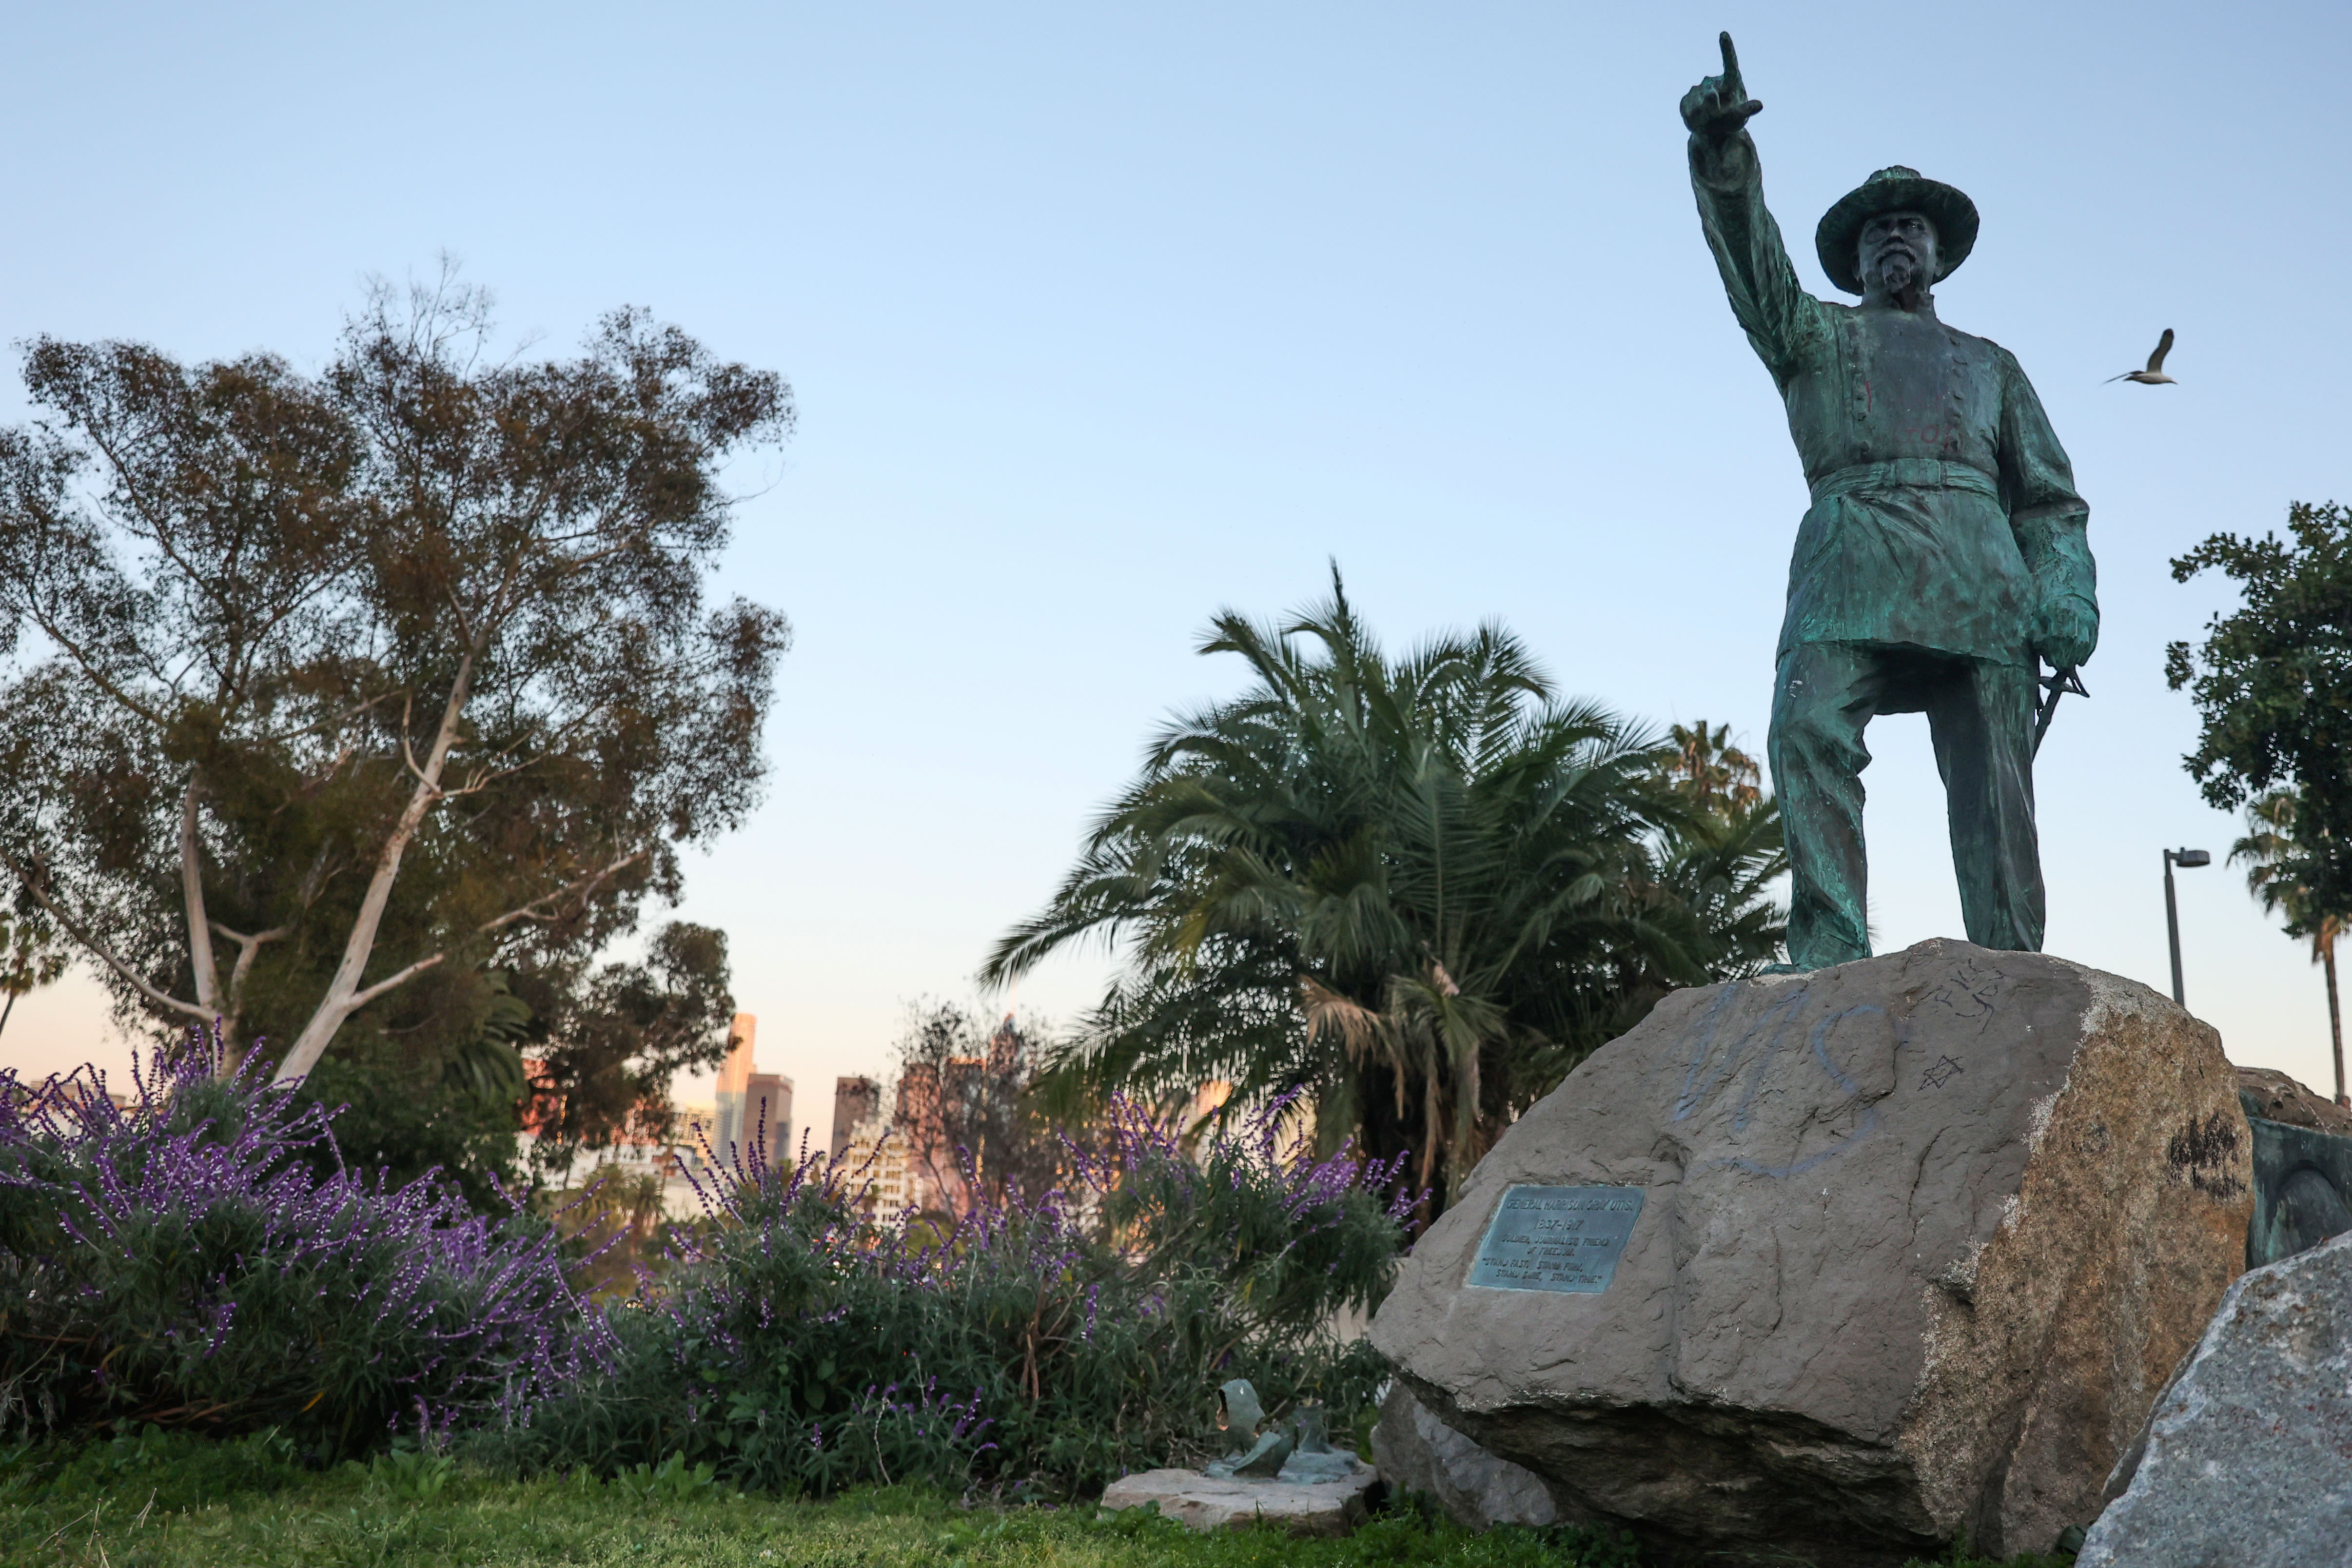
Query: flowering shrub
(180, 1261)
(1045, 1344)
(1289, 1239)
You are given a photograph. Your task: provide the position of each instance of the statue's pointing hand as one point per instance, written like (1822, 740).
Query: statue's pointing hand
(1719, 106)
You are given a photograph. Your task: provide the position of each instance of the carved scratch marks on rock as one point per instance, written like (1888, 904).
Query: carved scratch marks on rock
(1973, 991)
(1913, 1211)
(1945, 1069)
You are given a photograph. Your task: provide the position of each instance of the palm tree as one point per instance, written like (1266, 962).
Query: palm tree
(1420, 891)
(2276, 862)
(1706, 765)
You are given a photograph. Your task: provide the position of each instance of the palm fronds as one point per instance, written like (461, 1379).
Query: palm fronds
(1418, 890)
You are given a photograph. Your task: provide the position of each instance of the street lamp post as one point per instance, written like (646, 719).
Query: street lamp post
(2188, 860)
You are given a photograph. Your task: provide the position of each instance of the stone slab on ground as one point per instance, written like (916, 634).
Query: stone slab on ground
(2248, 1459)
(1203, 1503)
(1919, 1240)
(1416, 1452)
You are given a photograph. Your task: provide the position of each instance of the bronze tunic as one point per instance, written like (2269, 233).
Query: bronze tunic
(1944, 511)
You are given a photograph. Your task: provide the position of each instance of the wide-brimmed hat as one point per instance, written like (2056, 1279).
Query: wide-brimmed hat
(1894, 190)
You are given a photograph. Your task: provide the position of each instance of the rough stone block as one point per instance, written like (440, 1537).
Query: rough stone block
(2248, 1460)
(1416, 1452)
(1919, 1238)
(2274, 1096)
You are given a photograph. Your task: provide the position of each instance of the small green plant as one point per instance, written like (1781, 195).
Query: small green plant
(411, 1475)
(672, 1480)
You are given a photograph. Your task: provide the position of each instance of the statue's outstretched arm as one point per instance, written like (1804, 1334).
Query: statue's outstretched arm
(1780, 318)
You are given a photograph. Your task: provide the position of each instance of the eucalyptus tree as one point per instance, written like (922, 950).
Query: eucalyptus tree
(1420, 890)
(319, 685)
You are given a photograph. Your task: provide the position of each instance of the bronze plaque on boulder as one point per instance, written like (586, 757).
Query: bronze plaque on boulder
(1556, 1238)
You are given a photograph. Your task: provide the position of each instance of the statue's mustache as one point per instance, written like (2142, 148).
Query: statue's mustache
(1897, 261)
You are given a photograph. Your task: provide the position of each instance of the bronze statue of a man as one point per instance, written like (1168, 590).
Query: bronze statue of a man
(1945, 548)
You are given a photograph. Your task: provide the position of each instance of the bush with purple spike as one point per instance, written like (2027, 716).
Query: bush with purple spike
(179, 1260)
(1044, 1345)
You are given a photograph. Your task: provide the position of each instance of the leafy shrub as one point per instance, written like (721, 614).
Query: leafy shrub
(181, 1262)
(1042, 1346)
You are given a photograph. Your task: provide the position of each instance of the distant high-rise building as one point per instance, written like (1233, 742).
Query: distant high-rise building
(922, 1149)
(874, 1174)
(768, 1114)
(1004, 1047)
(734, 1078)
(749, 1103)
(855, 1100)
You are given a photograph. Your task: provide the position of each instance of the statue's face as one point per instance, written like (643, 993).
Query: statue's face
(1898, 252)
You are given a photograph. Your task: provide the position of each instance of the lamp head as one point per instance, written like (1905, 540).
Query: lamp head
(2187, 858)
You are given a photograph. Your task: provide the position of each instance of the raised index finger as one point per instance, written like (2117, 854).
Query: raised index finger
(1734, 88)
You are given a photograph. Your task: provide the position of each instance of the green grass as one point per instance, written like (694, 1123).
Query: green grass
(162, 1503)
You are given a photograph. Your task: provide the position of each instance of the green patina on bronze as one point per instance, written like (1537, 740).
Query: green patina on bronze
(1945, 551)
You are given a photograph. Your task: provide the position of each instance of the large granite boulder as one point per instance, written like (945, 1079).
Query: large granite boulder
(1416, 1452)
(1843, 1263)
(2248, 1461)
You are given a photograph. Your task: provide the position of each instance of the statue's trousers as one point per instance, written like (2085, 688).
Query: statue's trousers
(1980, 712)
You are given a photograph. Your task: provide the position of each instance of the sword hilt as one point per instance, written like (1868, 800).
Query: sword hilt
(2057, 684)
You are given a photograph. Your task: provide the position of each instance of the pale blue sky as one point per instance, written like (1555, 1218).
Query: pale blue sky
(1103, 317)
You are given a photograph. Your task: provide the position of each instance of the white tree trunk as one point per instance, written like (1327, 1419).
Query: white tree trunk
(344, 996)
(192, 890)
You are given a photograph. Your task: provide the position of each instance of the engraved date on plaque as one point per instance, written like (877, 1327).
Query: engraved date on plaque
(1556, 1238)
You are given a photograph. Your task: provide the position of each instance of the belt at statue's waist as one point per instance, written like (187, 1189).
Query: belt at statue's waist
(1904, 473)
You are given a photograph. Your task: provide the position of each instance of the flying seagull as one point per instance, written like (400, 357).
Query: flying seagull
(2154, 374)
